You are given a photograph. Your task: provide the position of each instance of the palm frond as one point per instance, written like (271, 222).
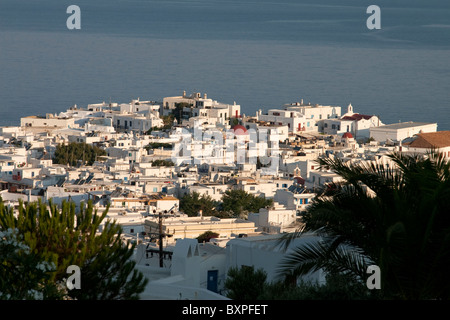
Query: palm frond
(325, 255)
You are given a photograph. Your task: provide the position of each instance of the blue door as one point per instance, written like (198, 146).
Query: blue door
(213, 276)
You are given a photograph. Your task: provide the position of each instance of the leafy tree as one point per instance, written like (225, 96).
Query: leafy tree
(178, 111)
(239, 201)
(23, 276)
(336, 287)
(167, 124)
(157, 145)
(162, 163)
(234, 121)
(245, 283)
(396, 217)
(62, 238)
(74, 152)
(168, 121)
(192, 203)
(207, 236)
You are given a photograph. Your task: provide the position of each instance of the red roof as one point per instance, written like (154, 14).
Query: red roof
(239, 129)
(347, 135)
(357, 117)
(439, 139)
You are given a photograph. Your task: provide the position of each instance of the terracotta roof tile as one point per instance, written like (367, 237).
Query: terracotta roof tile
(439, 139)
(357, 117)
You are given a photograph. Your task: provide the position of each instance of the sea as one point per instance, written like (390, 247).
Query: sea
(260, 54)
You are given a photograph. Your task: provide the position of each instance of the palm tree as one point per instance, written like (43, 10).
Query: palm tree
(396, 217)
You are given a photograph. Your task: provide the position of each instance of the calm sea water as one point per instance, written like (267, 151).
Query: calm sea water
(260, 54)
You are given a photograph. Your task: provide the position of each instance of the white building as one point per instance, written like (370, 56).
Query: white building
(209, 108)
(169, 103)
(318, 178)
(265, 187)
(192, 227)
(294, 120)
(49, 121)
(197, 271)
(137, 122)
(425, 142)
(274, 219)
(99, 125)
(296, 197)
(11, 132)
(399, 131)
(213, 190)
(132, 222)
(314, 113)
(58, 194)
(265, 252)
(357, 124)
(191, 270)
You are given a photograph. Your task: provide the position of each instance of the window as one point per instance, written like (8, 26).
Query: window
(155, 189)
(326, 125)
(284, 185)
(333, 126)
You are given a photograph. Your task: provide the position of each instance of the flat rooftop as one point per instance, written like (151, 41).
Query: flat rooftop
(199, 221)
(402, 125)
